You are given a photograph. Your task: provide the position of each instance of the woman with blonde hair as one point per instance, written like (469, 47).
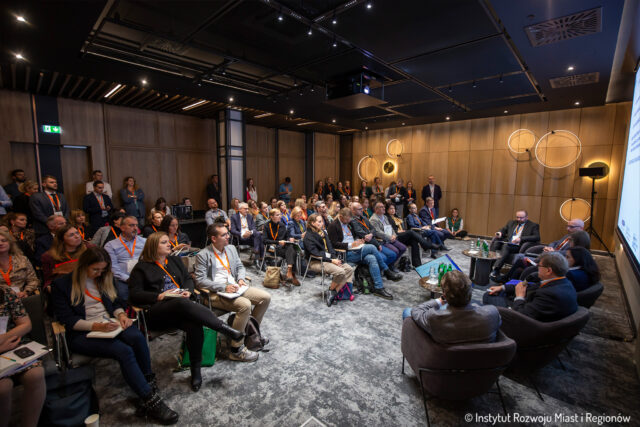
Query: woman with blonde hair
(63, 256)
(162, 282)
(334, 209)
(85, 301)
(253, 208)
(318, 244)
(16, 272)
(21, 202)
(302, 204)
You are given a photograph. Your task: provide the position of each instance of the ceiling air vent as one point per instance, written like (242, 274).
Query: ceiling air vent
(565, 28)
(577, 80)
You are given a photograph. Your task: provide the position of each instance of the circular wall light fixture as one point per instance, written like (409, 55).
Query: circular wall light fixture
(394, 148)
(575, 208)
(558, 149)
(389, 167)
(521, 140)
(367, 166)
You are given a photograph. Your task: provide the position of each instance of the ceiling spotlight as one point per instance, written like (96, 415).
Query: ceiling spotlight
(291, 111)
(576, 103)
(366, 128)
(334, 21)
(280, 18)
(571, 68)
(313, 89)
(506, 111)
(474, 85)
(231, 99)
(335, 43)
(448, 118)
(333, 120)
(450, 90)
(144, 82)
(19, 56)
(501, 80)
(369, 5)
(20, 18)
(309, 32)
(402, 123)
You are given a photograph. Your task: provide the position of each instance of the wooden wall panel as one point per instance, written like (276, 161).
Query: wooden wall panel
(477, 215)
(439, 137)
(291, 159)
(148, 177)
(590, 154)
(326, 157)
(552, 227)
(15, 125)
(504, 127)
(188, 183)
(529, 178)
(452, 200)
(501, 210)
(460, 136)
(536, 122)
(503, 172)
(482, 133)
(480, 165)
(529, 203)
(457, 171)
(596, 125)
(127, 127)
(22, 157)
(261, 159)
(76, 168)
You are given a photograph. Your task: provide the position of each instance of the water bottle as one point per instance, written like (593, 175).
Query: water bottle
(472, 246)
(432, 275)
(485, 249)
(478, 243)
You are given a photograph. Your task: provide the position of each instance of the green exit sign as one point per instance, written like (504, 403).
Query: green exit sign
(51, 129)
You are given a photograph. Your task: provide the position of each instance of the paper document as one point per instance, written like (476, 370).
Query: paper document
(10, 362)
(436, 221)
(111, 334)
(233, 295)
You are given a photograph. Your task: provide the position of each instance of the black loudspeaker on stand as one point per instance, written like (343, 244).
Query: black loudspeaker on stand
(594, 173)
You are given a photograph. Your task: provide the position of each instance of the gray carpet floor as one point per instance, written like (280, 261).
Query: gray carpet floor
(342, 366)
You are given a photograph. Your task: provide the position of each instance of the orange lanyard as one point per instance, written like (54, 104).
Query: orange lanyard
(341, 192)
(170, 276)
(100, 201)
(551, 280)
(564, 242)
(363, 223)
(114, 232)
(87, 293)
(518, 229)
(348, 190)
(66, 262)
(6, 274)
(271, 231)
(133, 249)
(176, 243)
(21, 235)
(55, 205)
(154, 228)
(417, 219)
(226, 267)
(410, 193)
(81, 231)
(367, 214)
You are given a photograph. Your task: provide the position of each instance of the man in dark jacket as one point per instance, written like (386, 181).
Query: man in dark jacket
(48, 202)
(554, 298)
(515, 237)
(244, 228)
(363, 229)
(98, 205)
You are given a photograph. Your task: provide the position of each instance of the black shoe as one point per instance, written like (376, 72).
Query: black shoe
(444, 248)
(394, 269)
(196, 376)
(230, 332)
(382, 293)
(155, 408)
(391, 275)
(151, 380)
(330, 297)
(434, 253)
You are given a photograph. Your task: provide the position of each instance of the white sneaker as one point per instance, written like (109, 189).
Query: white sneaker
(244, 355)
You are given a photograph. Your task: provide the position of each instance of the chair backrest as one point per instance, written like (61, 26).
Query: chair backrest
(540, 342)
(457, 371)
(35, 310)
(589, 296)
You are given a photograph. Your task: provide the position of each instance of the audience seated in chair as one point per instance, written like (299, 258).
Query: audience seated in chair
(99, 206)
(162, 284)
(161, 206)
(124, 253)
(63, 256)
(415, 222)
(79, 220)
(428, 214)
(177, 238)
(583, 270)
(285, 216)
(262, 217)
(32, 378)
(363, 229)
(297, 227)
(275, 233)
(319, 250)
(153, 225)
(109, 232)
(25, 237)
(321, 209)
(44, 241)
(455, 224)
(234, 207)
(244, 228)
(219, 270)
(85, 301)
(453, 318)
(411, 238)
(516, 236)
(214, 212)
(554, 298)
(17, 272)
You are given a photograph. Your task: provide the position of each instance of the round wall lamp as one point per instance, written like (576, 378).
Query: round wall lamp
(394, 148)
(367, 166)
(575, 208)
(521, 140)
(603, 165)
(558, 149)
(389, 167)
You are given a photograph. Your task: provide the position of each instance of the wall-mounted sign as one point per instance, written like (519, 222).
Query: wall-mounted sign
(51, 129)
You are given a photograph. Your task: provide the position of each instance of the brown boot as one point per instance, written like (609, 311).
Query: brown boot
(294, 281)
(289, 278)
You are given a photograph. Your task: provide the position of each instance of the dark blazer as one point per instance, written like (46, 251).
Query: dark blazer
(148, 231)
(293, 228)
(336, 235)
(405, 195)
(146, 280)
(133, 206)
(43, 244)
(91, 205)
(314, 245)
(437, 195)
(41, 209)
(279, 231)
(328, 189)
(69, 314)
(553, 301)
(359, 230)
(415, 221)
(236, 225)
(530, 232)
(579, 279)
(213, 192)
(425, 217)
(12, 190)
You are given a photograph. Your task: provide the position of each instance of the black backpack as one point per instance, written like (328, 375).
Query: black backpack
(252, 337)
(362, 280)
(70, 397)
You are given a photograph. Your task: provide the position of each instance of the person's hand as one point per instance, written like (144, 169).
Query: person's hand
(368, 237)
(241, 282)
(303, 234)
(281, 242)
(104, 326)
(393, 238)
(358, 242)
(548, 249)
(185, 294)
(231, 288)
(379, 248)
(438, 228)
(246, 235)
(498, 234)
(108, 208)
(292, 239)
(516, 240)
(493, 290)
(22, 294)
(124, 320)
(336, 262)
(442, 300)
(8, 342)
(521, 289)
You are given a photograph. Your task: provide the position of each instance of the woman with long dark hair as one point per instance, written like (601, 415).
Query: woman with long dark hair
(85, 301)
(583, 270)
(64, 253)
(177, 238)
(252, 191)
(133, 199)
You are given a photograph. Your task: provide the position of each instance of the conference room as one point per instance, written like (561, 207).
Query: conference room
(319, 213)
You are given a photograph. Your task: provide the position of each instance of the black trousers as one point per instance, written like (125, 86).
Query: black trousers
(287, 252)
(505, 253)
(415, 241)
(187, 315)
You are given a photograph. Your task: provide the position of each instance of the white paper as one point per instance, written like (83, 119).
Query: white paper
(232, 295)
(327, 255)
(130, 264)
(4, 321)
(15, 289)
(110, 334)
(435, 221)
(388, 230)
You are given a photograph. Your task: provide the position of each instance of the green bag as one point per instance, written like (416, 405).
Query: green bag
(208, 349)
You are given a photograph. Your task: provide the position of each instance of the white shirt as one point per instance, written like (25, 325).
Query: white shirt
(107, 188)
(253, 193)
(222, 275)
(432, 190)
(244, 225)
(517, 232)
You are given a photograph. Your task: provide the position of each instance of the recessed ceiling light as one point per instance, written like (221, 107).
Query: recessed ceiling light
(448, 118)
(333, 120)
(506, 111)
(20, 18)
(309, 32)
(402, 123)
(474, 85)
(366, 128)
(571, 68)
(19, 56)
(335, 44)
(144, 82)
(576, 103)
(369, 5)
(195, 104)
(231, 99)
(113, 91)
(291, 111)
(334, 21)
(280, 18)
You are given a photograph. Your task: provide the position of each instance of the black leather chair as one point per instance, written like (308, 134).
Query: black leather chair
(454, 372)
(589, 296)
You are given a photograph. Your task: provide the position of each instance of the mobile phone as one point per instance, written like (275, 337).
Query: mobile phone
(23, 352)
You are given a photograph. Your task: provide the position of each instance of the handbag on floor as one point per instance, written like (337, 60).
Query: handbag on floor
(346, 293)
(208, 349)
(252, 336)
(272, 278)
(70, 397)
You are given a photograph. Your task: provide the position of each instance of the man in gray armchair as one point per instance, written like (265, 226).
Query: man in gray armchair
(219, 269)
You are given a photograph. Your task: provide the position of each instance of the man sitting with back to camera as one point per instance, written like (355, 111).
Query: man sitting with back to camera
(342, 237)
(219, 269)
(554, 298)
(244, 228)
(453, 318)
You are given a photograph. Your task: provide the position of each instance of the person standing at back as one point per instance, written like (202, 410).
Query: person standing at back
(133, 199)
(98, 205)
(96, 175)
(432, 190)
(46, 203)
(13, 188)
(213, 189)
(284, 192)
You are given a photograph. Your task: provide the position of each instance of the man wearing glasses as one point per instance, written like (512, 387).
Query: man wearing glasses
(515, 237)
(554, 298)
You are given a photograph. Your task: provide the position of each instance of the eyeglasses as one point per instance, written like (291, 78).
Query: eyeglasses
(224, 235)
(520, 217)
(572, 226)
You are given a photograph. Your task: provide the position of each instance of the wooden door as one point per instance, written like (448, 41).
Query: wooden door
(75, 173)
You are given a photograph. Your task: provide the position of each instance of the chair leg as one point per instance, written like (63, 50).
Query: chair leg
(504, 408)
(306, 270)
(424, 402)
(67, 354)
(403, 364)
(322, 280)
(535, 386)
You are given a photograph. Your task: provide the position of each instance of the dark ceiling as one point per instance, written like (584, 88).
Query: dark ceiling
(434, 59)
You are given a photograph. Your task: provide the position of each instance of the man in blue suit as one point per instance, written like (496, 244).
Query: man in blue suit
(244, 228)
(48, 202)
(554, 298)
(98, 205)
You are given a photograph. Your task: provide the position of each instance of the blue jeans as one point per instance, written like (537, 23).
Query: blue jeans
(406, 313)
(433, 236)
(369, 255)
(388, 255)
(122, 288)
(129, 348)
